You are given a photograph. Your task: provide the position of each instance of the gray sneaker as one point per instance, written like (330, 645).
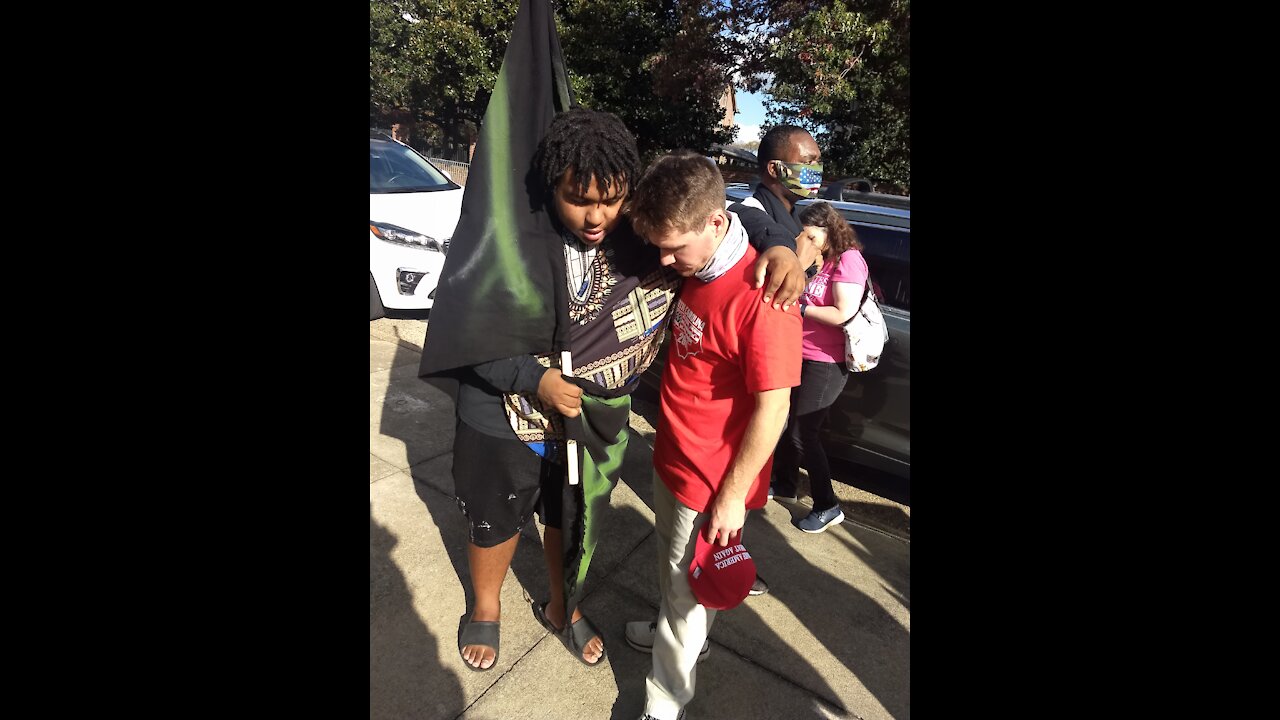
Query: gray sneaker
(816, 522)
(640, 636)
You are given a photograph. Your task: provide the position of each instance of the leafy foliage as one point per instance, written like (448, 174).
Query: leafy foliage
(660, 65)
(844, 72)
(841, 68)
(435, 62)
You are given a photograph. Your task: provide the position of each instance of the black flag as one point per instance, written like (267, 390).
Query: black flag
(502, 290)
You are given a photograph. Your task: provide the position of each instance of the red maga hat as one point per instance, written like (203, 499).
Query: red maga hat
(721, 577)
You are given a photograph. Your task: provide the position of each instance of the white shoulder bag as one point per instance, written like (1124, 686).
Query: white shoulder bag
(865, 333)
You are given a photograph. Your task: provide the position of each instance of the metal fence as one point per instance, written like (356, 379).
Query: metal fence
(458, 171)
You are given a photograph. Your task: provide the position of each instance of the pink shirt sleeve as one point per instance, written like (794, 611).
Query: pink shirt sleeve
(852, 268)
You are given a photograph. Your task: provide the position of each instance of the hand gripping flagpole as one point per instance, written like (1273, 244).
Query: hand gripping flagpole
(571, 446)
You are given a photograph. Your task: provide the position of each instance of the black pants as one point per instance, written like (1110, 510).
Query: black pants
(499, 483)
(820, 384)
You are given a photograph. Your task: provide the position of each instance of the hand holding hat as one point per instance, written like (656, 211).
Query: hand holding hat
(721, 576)
(727, 517)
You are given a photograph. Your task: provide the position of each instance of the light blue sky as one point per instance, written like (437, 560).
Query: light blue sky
(750, 115)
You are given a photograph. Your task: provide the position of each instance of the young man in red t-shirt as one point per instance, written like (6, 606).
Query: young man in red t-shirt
(725, 394)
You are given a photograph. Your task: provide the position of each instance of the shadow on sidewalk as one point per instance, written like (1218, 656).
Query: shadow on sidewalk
(631, 689)
(854, 628)
(404, 678)
(407, 681)
(398, 679)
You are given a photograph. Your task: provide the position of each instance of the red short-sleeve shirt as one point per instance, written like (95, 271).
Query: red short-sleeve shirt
(726, 346)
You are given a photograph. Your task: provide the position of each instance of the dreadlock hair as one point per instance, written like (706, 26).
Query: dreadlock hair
(678, 192)
(840, 234)
(776, 142)
(592, 143)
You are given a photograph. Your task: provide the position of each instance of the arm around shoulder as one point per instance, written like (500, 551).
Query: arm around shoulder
(763, 232)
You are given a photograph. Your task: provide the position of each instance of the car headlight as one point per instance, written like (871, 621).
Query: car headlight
(397, 235)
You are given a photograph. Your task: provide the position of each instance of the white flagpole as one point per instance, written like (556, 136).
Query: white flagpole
(571, 446)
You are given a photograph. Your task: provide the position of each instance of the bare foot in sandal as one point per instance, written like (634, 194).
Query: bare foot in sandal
(594, 648)
(481, 657)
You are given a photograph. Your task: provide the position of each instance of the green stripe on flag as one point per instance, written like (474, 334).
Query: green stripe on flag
(601, 466)
(510, 269)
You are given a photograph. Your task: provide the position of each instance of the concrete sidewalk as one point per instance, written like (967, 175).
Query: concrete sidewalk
(830, 640)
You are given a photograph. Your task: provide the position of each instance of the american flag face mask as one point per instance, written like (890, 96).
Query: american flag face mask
(801, 179)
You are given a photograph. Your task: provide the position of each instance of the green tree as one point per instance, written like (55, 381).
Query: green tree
(433, 63)
(844, 72)
(660, 65)
(839, 67)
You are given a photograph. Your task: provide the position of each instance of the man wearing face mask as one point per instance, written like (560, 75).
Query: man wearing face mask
(790, 171)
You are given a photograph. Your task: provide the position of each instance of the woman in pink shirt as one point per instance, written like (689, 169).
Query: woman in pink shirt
(829, 300)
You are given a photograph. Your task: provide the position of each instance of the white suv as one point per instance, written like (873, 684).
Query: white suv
(413, 209)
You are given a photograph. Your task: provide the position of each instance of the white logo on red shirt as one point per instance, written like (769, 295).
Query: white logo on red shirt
(687, 328)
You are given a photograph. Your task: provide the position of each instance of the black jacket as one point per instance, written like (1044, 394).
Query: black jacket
(770, 227)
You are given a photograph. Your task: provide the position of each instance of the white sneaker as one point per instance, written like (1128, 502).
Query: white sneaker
(640, 636)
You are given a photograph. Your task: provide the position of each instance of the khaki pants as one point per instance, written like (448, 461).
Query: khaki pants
(683, 623)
